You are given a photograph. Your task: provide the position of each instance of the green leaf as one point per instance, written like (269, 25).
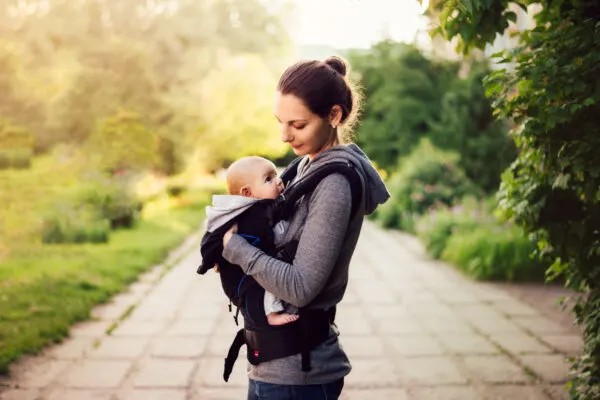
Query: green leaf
(511, 16)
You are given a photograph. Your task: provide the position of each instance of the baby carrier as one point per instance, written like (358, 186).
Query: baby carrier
(266, 342)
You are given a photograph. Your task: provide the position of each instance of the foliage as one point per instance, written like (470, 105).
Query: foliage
(427, 178)
(16, 146)
(112, 198)
(72, 223)
(437, 226)
(404, 89)
(412, 96)
(494, 252)
(467, 126)
(65, 66)
(552, 92)
(123, 143)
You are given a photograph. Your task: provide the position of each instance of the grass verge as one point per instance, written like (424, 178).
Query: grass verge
(44, 289)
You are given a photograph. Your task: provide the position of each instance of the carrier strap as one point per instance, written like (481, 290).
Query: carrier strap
(232, 354)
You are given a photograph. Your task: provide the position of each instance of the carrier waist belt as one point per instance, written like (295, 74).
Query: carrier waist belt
(300, 336)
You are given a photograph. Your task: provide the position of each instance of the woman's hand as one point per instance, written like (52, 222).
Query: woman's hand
(228, 234)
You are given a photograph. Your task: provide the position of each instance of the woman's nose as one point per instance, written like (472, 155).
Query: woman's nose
(285, 134)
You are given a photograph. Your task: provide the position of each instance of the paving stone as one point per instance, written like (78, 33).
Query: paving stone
(432, 371)
(569, 344)
(519, 343)
(139, 328)
(38, 372)
(353, 321)
(552, 368)
(179, 348)
(156, 394)
(219, 345)
(458, 297)
(388, 311)
(508, 392)
(209, 326)
(399, 326)
(495, 369)
(161, 373)
(362, 346)
(462, 343)
(372, 394)
(372, 373)
(237, 393)
(97, 374)
(75, 394)
(495, 324)
(89, 329)
(20, 394)
(514, 307)
(70, 349)
(558, 392)
(416, 345)
(444, 393)
(210, 373)
(540, 325)
(119, 348)
(474, 312)
(446, 324)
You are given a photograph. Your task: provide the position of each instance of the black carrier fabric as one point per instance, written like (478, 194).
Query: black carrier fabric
(267, 342)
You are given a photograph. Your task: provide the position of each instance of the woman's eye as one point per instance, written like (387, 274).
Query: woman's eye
(299, 127)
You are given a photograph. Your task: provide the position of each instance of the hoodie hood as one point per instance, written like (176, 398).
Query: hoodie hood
(375, 192)
(224, 208)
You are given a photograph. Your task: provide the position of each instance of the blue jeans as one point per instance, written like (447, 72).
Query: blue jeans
(262, 390)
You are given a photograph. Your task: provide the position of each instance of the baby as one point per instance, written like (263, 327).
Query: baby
(249, 179)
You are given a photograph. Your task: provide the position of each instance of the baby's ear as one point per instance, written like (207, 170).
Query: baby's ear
(246, 191)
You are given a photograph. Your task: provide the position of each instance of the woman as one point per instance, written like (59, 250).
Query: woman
(314, 105)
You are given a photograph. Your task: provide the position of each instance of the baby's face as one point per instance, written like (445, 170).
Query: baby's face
(265, 182)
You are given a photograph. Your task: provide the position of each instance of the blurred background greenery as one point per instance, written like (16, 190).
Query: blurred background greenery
(116, 117)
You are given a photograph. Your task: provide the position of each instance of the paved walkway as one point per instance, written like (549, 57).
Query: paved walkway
(414, 329)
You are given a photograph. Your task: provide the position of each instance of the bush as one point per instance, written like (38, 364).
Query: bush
(113, 199)
(435, 228)
(71, 223)
(494, 252)
(427, 178)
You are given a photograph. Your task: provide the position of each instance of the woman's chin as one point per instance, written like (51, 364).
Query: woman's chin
(298, 151)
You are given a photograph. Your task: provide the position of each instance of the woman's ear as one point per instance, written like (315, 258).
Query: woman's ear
(246, 191)
(335, 116)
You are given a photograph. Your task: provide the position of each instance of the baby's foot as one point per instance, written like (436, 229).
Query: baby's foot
(281, 318)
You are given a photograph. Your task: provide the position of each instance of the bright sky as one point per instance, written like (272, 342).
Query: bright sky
(356, 23)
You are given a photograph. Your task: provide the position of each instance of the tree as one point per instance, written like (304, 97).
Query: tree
(553, 95)
(404, 89)
(468, 126)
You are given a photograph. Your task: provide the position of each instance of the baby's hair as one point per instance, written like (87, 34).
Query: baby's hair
(238, 172)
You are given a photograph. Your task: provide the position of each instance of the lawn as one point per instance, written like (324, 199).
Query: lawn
(44, 288)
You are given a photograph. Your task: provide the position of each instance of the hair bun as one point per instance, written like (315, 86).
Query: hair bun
(337, 63)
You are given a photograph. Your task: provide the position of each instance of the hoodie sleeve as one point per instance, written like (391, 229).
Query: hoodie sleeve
(318, 248)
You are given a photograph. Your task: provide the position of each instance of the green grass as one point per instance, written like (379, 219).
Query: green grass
(44, 289)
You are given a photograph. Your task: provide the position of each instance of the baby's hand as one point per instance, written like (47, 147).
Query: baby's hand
(216, 268)
(229, 234)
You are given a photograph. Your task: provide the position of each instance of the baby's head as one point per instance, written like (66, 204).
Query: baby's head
(254, 177)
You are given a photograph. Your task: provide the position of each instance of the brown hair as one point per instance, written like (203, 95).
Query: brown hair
(322, 85)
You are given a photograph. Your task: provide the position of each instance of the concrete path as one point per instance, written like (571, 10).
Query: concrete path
(414, 329)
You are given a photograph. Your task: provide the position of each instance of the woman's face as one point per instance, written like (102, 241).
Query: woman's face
(306, 132)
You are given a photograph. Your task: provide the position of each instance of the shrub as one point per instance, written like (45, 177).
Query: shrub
(494, 252)
(427, 178)
(71, 223)
(435, 228)
(113, 199)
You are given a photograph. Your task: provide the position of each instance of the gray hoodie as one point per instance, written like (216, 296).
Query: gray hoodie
(318, 276)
